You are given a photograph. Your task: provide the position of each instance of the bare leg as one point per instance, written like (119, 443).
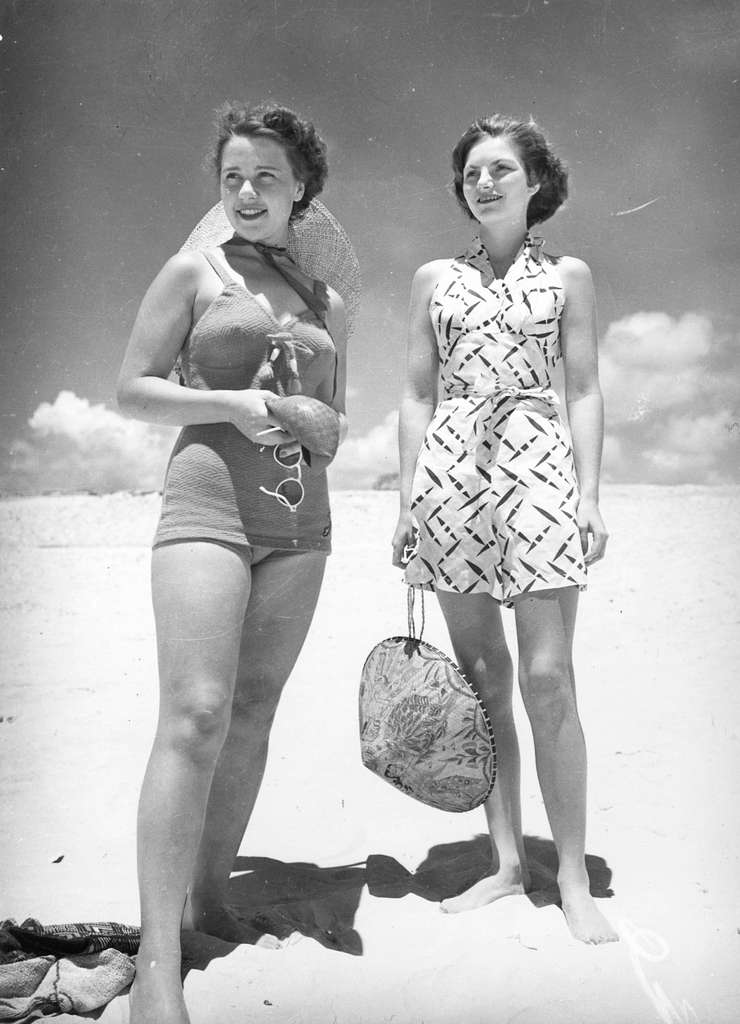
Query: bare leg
(200, 593)
(474, 622)
(285, 590)
(545, 624)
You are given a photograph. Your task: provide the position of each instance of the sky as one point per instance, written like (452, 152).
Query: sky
(107, 108)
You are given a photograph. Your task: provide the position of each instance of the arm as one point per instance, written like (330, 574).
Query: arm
(161, 327)
(419, 397)
(337, 325)
(578, 338)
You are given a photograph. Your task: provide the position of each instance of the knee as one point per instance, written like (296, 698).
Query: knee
(547, 692)
(256, 701)
(198, 721)
(489, 672)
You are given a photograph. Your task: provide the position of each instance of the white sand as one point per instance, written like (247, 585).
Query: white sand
(656, 649)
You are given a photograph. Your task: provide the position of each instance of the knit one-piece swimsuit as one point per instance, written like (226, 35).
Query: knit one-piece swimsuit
(494, 493)
(212, 486)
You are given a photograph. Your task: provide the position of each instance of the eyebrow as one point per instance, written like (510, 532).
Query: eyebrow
(486, 163)
(260, 167)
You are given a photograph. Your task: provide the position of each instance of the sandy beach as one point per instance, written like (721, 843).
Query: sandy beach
(349, 868)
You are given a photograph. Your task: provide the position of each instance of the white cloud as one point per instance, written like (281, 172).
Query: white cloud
(672, 391)
(73, 445)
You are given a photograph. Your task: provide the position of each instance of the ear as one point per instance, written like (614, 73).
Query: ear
(534, 188)
(299, 190)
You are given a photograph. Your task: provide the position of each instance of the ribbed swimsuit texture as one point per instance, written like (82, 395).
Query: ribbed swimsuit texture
(211, 489)
(494, 494)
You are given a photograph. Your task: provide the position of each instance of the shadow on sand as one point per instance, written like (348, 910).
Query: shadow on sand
(320, 903)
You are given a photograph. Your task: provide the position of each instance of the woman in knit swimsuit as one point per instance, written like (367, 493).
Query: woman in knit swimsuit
(496, 509)
(245, 527)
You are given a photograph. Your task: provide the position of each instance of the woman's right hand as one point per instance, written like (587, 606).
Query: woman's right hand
(404, 537)
(248, 412)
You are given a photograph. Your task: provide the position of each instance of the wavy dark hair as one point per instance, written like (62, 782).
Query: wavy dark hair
(543, 167)
(304, 147)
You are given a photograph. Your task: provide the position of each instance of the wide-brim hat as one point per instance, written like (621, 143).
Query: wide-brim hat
(317, 244)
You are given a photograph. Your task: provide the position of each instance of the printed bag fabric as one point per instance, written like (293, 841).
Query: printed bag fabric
(422, 727)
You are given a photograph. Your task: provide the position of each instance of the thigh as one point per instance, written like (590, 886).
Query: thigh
(545, 622)
(200, 592)
(478, 639)
(284, 593)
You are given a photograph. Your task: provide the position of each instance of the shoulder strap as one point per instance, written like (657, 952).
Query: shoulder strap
(218, 267)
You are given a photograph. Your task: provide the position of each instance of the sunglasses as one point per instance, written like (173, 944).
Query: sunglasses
(289, 492)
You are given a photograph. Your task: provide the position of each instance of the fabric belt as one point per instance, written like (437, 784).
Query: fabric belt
(504, 391)
(477, 421)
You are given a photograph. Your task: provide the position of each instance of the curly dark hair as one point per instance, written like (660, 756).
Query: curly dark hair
(304, 147)
(543, 167)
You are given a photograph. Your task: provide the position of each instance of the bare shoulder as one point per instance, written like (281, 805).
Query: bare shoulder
(428, 275)
(334, 300)
(433, 270)
(336, 315)
(575, 272)
(184, 270)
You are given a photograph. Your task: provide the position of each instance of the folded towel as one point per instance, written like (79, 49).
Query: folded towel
(45, 986)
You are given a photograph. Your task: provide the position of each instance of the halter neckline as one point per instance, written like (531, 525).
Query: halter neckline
(477, 256)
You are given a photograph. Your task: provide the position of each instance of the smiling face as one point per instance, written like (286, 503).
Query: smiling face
(258, 188)
(494, 182)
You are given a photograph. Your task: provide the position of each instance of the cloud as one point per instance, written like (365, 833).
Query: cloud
(73, 445)
(361, 461)
(672, 392)
(671, 385)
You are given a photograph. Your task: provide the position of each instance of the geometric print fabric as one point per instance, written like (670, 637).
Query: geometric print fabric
(494, 494)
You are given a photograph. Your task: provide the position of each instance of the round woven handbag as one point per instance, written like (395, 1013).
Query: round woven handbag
(423, 728)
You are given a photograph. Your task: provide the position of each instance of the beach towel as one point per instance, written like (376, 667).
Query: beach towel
(45, 986)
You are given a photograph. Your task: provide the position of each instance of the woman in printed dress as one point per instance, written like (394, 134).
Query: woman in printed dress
(497, 508)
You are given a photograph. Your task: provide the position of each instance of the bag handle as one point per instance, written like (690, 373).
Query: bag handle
(410, 601)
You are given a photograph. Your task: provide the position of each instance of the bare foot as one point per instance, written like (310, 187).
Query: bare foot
(585, 920)
(224, 922)
(156, 995)
(489, 889)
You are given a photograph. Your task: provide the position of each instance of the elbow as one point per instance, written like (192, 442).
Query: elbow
(126, 396)
(416, 399)
(578, 391)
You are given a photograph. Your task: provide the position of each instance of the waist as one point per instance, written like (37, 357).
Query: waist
(495, 391)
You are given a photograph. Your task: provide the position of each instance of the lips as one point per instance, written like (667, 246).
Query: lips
(492, 198)
(250, 214)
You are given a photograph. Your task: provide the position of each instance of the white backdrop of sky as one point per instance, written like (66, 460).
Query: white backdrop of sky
(106, 115)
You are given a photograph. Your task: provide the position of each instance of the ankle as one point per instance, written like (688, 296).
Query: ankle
(207, 891)
(513, 870)
(573, 883)
(154, 964)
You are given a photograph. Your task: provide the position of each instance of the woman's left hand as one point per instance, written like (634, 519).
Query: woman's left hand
(590, 522)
